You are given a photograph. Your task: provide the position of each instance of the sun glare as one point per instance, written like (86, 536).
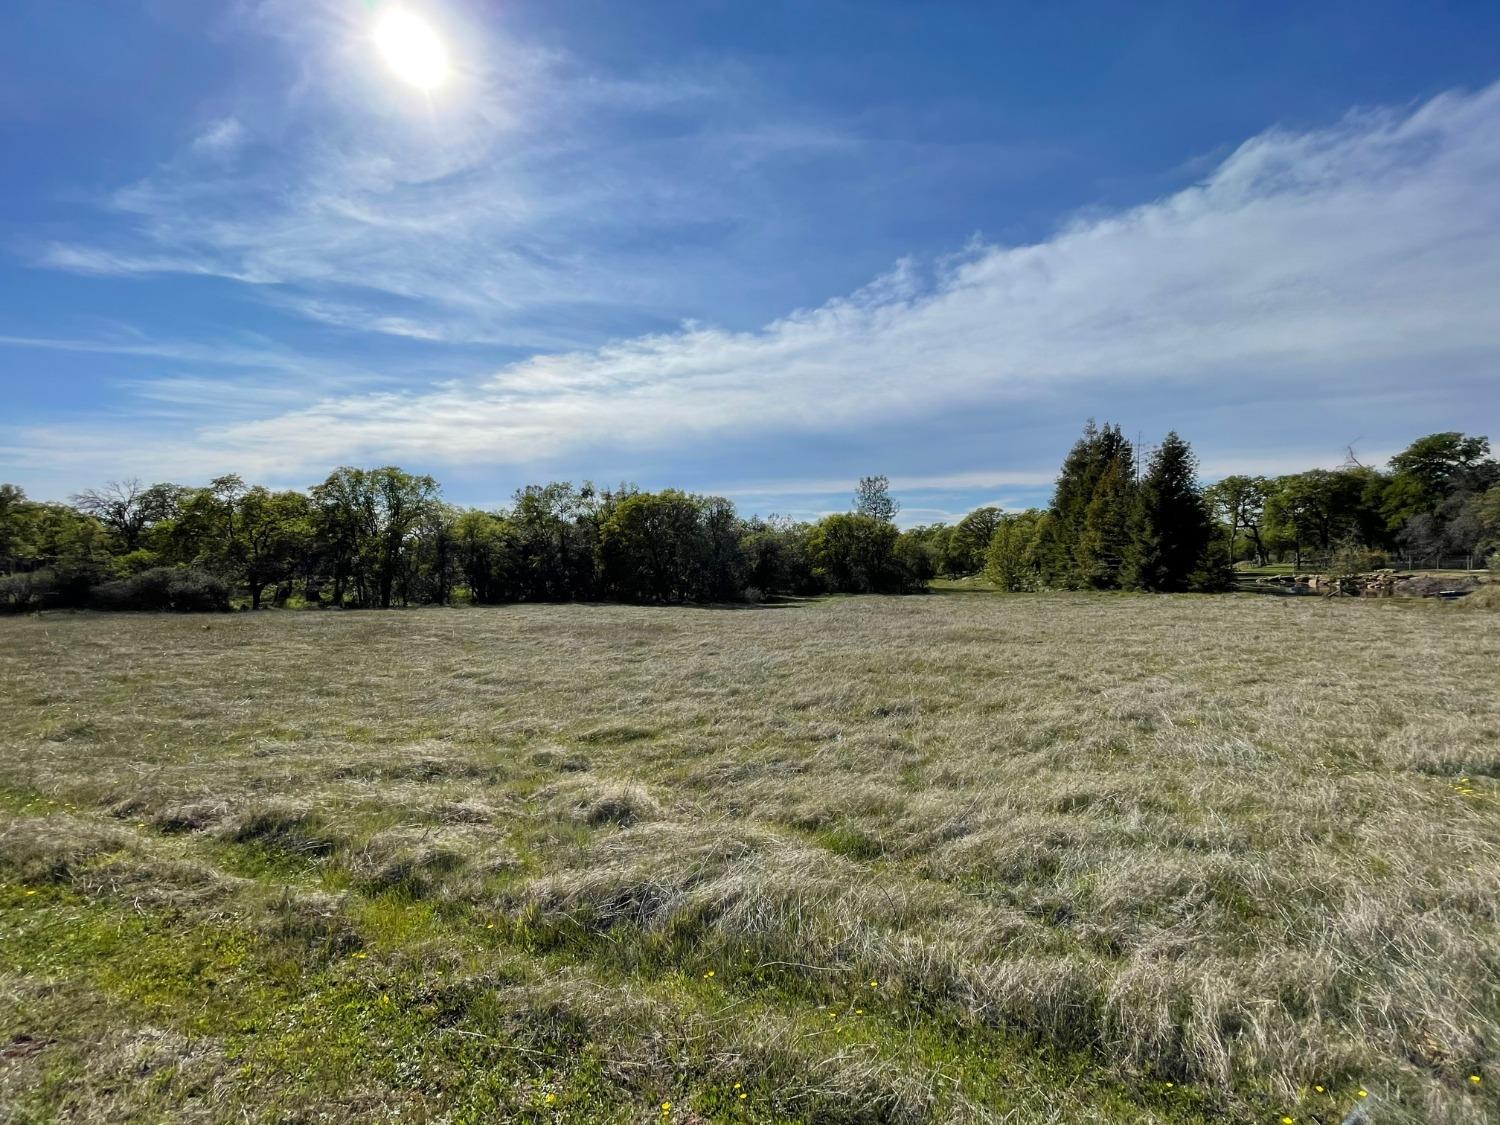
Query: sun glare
(412, 49)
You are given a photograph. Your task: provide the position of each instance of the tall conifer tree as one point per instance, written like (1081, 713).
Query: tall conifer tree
(1170, 524)
(1058, 553)
(1105, 540)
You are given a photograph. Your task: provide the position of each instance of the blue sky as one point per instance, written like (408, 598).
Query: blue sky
(756, 249)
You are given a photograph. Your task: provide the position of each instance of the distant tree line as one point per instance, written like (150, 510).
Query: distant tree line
(379, 537)
(1117, 524)
(1114, 524)
(1438, 501)
(366, 538)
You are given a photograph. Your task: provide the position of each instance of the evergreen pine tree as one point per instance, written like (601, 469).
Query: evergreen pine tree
(1057, 553)
(1105, 539)
(1070, 500)
(1170, 525)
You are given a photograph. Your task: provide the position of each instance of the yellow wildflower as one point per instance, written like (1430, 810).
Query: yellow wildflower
(1319, 1089)
(1363, 1092)
(1474, 1078)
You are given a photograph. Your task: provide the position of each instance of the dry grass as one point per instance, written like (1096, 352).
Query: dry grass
(956, 858)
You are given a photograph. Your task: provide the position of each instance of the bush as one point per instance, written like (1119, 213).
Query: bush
(1215, 572)
(165, 588)
(1351, 561)
(21, 593)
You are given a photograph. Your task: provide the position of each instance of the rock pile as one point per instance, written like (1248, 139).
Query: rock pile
(1376, 584)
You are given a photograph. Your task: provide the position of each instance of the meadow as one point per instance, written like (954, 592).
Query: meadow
(957, 858)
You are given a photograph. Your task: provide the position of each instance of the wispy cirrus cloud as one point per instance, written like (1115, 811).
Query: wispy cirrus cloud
(222, 138)
(512, 204)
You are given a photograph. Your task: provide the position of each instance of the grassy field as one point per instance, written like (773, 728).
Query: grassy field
(954, 858)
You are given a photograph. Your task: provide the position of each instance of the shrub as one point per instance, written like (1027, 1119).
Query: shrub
(1215, 571)
(165, 588)
(1351, 560)
(21, 593)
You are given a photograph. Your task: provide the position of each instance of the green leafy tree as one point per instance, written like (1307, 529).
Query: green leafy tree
(488, 557)
(969, 541)
(273, 539)
(723, 560)
(366, 521)
(13, 505)
(69, 552)
(856, 554)
(777, 561)
(346, 527)
(1484, 509)
(933, 543)
(1010, 560)
(1239, 502)
(557, 528)
(657, 547)
(1434, 468)
(919, 558)
(1311, 511)
(203, 528)
(403, 502)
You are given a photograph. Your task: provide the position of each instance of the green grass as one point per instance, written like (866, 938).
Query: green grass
(960, 858)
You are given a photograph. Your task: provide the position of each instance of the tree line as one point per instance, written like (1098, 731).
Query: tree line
(367, 538)
(380, 537)
(1117, 524)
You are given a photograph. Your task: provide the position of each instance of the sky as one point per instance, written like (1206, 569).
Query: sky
(751, 249)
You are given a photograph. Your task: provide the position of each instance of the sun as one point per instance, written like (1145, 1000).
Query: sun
(412, 49)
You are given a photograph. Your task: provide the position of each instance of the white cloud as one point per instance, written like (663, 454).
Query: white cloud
(222, 138)
(1355, 259)
(99, 262)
